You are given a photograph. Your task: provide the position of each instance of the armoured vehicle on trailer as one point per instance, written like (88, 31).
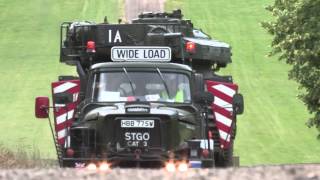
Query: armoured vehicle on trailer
(146, 94)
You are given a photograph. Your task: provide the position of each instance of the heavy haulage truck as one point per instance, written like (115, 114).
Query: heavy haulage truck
(146, 95)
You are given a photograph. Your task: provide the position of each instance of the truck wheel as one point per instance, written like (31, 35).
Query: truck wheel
(208, 163)
(225, 158)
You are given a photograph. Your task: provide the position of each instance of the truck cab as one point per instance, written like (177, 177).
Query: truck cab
(138, 112)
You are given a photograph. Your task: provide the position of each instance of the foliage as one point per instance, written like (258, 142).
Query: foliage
(296, 39)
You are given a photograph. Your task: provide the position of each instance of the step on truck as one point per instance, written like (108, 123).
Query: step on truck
(146, 95)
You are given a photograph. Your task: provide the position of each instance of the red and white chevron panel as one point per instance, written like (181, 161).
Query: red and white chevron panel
(222, 108)
(64, 113)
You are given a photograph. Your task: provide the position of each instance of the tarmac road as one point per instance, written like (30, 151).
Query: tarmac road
(134, 7)
(294, 172)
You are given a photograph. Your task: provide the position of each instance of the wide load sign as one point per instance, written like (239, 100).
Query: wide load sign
(141, 53)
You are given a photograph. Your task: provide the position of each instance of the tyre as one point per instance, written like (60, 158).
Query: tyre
(208, 163)
(225, 158)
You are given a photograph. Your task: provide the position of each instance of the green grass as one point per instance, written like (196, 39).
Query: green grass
(272, 130)
(29, 62)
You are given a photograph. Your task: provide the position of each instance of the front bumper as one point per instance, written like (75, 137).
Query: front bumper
(118, 160)
(130, 160)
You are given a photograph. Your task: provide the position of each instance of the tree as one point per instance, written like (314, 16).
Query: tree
(296, 39)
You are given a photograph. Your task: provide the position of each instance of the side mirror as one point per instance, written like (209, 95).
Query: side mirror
(63, 98)
(42, 107)
(238, 103)
(198, 83)
(204, 98)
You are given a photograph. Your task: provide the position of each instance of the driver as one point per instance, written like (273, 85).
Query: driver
(175, 89)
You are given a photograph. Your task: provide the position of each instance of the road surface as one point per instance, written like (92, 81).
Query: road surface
(134, 7)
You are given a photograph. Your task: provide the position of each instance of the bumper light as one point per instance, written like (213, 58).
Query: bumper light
(170, 167)
(92, 167)
(104, 167)
(183, 167)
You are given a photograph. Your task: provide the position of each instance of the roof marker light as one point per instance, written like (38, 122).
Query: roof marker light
(183, 167)
(91, 47)
(191, 47)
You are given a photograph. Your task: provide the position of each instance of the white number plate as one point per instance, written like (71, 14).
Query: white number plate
(137, 123)
(141, 53)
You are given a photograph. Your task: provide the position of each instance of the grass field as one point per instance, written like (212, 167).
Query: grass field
(272, 130)
(29, 50)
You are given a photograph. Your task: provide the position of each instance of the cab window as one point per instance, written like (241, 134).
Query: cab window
(141, 86)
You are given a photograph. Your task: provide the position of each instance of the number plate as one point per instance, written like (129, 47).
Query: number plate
(141, 53)
(137, 123)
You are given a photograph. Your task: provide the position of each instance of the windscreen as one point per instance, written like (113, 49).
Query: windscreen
(157, 86)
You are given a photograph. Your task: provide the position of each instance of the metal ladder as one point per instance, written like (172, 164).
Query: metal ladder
(59, 151)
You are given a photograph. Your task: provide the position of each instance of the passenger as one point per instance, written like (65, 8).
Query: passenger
(174, 89)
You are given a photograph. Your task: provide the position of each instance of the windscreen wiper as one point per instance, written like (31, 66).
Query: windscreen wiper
(164, 83)
(127, 75)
